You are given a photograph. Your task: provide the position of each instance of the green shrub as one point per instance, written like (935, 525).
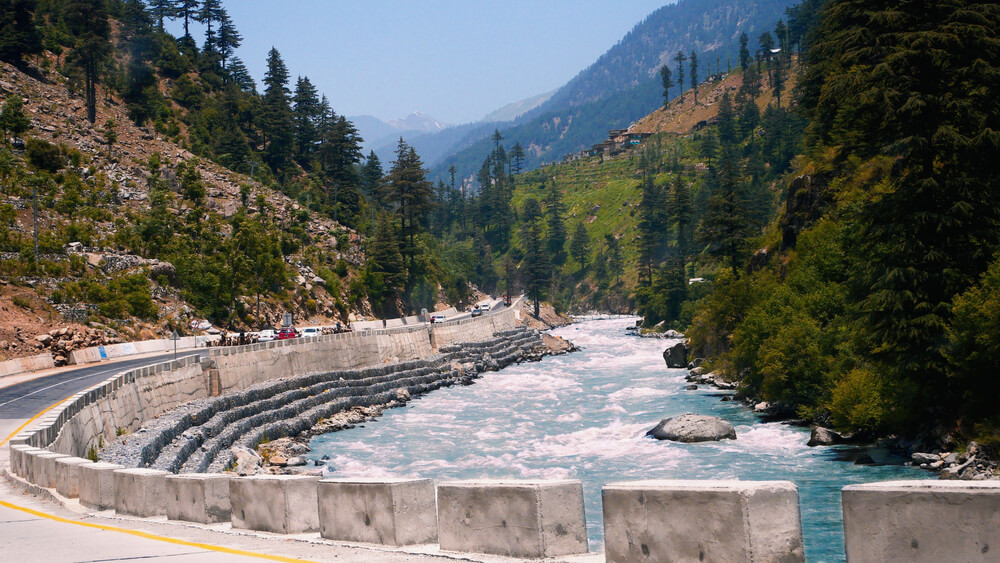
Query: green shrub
(45, 156)
(858, 401)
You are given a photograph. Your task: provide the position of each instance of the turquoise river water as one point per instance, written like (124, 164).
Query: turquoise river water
(584, 416)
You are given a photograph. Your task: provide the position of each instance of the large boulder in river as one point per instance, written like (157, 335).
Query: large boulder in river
(824, 437)
(676, 356)
(691, 427)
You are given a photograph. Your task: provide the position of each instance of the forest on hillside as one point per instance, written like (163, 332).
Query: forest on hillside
(867, 299)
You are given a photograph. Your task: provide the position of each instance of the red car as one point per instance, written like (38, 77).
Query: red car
(288, 332)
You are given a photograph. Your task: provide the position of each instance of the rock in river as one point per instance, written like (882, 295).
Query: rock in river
(824, 437)
(691, 427)
(676, 356)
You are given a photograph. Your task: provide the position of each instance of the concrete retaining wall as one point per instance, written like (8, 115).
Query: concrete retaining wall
(471, 330)
(918, 521)
(702, 521)
(99, 353)
(128, 405)
(22, 365)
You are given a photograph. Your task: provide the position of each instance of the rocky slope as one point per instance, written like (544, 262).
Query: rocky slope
(58, 115)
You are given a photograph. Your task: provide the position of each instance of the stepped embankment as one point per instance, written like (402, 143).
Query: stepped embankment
(198, 436)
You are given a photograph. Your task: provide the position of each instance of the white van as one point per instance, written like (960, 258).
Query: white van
(266, 335)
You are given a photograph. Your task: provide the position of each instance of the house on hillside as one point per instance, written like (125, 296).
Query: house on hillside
(618, 141)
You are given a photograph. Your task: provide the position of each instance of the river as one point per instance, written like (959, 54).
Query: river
(584, 416)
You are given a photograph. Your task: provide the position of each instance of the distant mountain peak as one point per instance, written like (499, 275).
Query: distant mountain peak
(418, 121)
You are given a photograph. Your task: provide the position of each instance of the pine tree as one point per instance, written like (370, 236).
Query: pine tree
(411, 194)
(88, 20)
(537, 268)
(306, 116)
(778, 81)
(211, 12)
(667, 81)
(188, 9)
(517, 156)
(615, 260)
(781, 32)
(555, 239)
(680, 57)
(13, 120)
(694, 75)
(744, 51)
(708, 146)
(651, 224)
(276, 118)
(682, 214)
(385, 262)
(241, 76)
(18, 34)
(726, 225)
(766, 42)
(163, 10)
(371, 175)
(579, 246)
(229, 38)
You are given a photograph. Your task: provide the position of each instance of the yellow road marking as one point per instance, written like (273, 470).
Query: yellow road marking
(149, 536)
(34, 418)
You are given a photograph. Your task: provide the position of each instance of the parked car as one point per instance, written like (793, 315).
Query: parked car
(267, 335)
(312, 331)
(287, 333)
(438, 318)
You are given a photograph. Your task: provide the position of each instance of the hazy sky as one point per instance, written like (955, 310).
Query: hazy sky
(456, 60)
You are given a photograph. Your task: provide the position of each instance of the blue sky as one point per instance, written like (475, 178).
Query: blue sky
(455, 60)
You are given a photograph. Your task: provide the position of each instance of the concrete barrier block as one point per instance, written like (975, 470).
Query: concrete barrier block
(284, 504)
(667, 520)
(140, 492)
(513, 518)
(383, 511)
(198, 497)
(68, 475)
(44, 469)
(97, 485)
(19, 458)
(917, 521)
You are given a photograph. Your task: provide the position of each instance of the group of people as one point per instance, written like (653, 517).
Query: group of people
(234, 339)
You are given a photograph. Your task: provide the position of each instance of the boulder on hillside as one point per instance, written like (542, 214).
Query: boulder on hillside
(165, 269)
(676, 356)
(824, 437)
(690, 427)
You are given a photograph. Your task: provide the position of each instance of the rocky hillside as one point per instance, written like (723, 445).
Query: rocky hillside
(116, 179)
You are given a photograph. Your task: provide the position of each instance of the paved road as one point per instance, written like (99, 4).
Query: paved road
(26, 399)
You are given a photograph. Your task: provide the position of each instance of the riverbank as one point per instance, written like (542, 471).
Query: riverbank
(971, 463)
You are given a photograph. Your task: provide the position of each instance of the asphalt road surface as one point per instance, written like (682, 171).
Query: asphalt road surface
(26, 399)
